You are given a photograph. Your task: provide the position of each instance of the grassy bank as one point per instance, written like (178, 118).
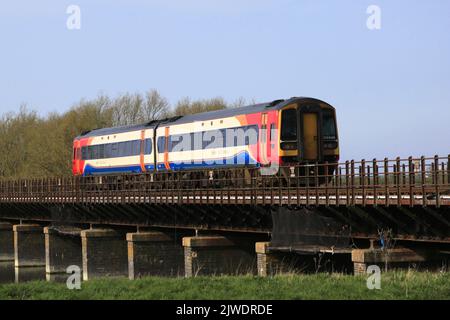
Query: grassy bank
(394, 285)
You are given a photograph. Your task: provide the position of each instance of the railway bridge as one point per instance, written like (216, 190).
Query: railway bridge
(372, 210)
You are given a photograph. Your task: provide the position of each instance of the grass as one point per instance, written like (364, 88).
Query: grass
(394, 285)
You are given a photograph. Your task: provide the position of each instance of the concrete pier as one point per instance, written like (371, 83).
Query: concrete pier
(29, 245)
(6, 242)
(104, 253)
(216, 255)
(62, 248)
(362, 258)
(154, 253)
(271, 263)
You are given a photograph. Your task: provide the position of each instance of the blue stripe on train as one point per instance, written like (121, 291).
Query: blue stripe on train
(90, 170)
(242, 158)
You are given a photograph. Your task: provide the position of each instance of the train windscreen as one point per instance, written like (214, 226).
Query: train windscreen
(328, 126)
(289, 125)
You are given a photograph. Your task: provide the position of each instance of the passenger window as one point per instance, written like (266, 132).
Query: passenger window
(136, 147)
(101, 151)
(161, 143)
(148, 146)
(108, 148)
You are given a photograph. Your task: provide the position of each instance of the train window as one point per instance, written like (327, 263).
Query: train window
(114, 150)
(108, 148)
(289, 125)
(101, 151)
(173, 141)
(84, 155)
(126, 149)
(328, 125)
(136, 147)
(93, 154)
(122, 149)
(129, 148)
(148, 146)
(180, 140)
(247, 135)
(209, 142)
(161, 144)
(241, 136)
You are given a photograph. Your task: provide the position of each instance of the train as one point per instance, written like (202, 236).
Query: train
(278, 133)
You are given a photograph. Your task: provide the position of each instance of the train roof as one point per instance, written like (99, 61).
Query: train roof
(114, 130)
(224, 113)
(203, 116)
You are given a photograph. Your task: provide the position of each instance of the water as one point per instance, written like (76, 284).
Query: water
(7, 274)
(11, 274)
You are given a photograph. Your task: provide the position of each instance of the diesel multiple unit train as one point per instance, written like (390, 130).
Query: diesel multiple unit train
(282, 132)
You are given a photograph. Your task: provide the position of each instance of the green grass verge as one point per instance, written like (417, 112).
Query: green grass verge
(394, 285)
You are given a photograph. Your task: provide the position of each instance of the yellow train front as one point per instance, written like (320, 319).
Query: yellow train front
(308, 132)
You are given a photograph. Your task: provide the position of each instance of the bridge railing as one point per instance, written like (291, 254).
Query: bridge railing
(400, 181)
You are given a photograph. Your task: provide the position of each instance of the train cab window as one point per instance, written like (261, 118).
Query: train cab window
(289, 125)
(328, 125)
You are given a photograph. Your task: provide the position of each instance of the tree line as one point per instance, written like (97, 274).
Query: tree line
(33, 146)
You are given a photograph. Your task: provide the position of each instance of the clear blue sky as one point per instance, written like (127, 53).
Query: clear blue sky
(391, 87)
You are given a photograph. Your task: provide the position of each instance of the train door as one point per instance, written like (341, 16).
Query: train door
(142, 153)
(76, 158)
(310, 134)
(166, 148)
(264, 141)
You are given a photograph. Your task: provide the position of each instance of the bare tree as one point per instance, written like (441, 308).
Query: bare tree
(155, 106)
(126, 109)
(239, 102)
(186, 106)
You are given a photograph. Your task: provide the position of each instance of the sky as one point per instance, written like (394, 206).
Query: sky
(390, 86)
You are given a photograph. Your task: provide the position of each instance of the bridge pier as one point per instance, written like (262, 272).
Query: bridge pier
(383, 258)
(104, 253)
(271, 263)
(215, 255)
(29, 246)
(62, 249)
(154, 253)
(6, 242)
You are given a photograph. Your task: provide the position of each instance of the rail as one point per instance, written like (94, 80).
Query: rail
(401, 182)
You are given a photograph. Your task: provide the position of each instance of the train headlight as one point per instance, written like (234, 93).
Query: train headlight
(288, 146)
